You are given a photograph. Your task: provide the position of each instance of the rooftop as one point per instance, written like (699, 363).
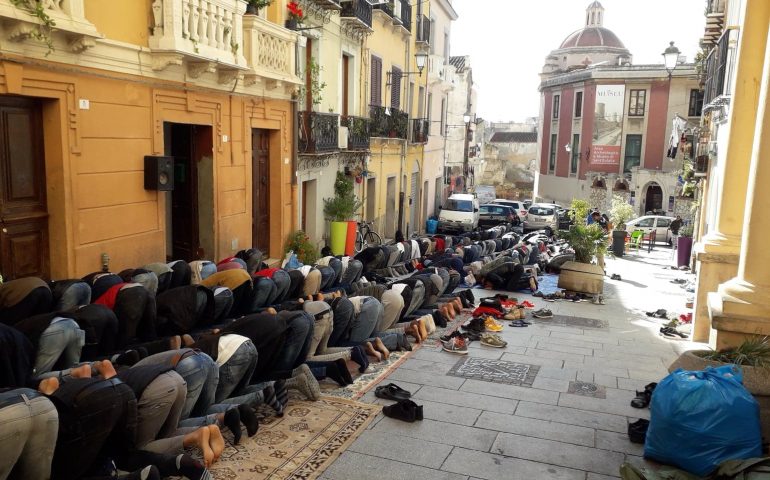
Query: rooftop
(514, 137)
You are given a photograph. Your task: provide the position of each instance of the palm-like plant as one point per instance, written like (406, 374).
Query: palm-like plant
(585, 240)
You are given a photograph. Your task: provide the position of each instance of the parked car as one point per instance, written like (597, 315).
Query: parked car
(491, 215)
(517, 205)
(460, 213)
(541, 216)
(658, 223)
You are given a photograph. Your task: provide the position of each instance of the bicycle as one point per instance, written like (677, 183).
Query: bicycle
(366, 237)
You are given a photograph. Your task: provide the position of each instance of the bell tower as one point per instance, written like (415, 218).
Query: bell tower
(594, 15)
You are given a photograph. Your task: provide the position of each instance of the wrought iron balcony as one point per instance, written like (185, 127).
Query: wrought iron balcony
(394, 125)
(359, 132)
(406, 14)
(420, 130)
(318, 132)
(325, 4)
(423, 29)
(716, 66)
(386, 7)
(357, 14)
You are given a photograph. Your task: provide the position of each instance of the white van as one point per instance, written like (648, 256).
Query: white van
(460, 213)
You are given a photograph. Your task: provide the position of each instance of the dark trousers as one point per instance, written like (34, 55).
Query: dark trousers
(135, 309)
(509, 277)
(95, 422)
(297, 343)
(343, 319)
(38, 300)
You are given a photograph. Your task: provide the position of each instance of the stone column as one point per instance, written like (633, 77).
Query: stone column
(717, 253)
(741, 307)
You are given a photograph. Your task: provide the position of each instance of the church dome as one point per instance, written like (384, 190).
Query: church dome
(592, 37)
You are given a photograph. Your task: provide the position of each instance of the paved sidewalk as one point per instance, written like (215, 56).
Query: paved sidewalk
(480, 429)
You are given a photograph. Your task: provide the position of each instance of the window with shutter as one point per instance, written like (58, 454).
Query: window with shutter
(395, 85)
(376, 97)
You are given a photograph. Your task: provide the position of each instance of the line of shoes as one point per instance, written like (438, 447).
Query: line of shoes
(637, 431)
(404, 409)
(561, 295)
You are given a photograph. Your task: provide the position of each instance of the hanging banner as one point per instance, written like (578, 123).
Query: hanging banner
(608, 124)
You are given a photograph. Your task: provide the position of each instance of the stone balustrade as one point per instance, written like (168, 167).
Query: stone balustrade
(270, 52)
(68, 16)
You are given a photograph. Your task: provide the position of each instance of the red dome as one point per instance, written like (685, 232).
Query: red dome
(592, 37)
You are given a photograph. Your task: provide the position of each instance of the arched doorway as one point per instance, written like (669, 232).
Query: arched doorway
(653, 198)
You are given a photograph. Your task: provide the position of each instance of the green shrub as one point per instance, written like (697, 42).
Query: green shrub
(343, 206)
(300, 244)
(586, 240)
(621, 212)
(579, 211)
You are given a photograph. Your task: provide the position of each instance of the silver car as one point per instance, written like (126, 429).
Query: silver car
(540, 217)
(652, 223)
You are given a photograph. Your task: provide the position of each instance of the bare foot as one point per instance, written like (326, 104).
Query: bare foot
(48, 385)
(175, 342)
(201, 438)
(215, 330)
(372, 352)
(381, 348)
(105, 369)
(83, 371)
(187, 340)
(271, 311)
(421, 328)
(414, 332)
(216, 441)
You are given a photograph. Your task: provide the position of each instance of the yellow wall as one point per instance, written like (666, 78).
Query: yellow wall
(95, 162)
(121, 19)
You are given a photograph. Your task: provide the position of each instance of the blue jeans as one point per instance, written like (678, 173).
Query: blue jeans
(328, 276)
(28, 437)
(200, 373)
(263, 290)
(62, 341)
(343, 317)
(336, 265)
(353, 272)
(79, 293)
(366, 321)
(298, 338)
(236, 372)
(282, 284)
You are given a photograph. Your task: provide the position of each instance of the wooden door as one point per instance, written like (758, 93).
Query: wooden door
(184, 198)
(345, 85)
(23, 208)
(260, 165)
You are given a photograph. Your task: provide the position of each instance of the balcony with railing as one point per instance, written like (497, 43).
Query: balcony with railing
(318, 132)
(359, 132)
(423, 29)
(716, 68)
(420, 130)
(404, 17)
(715, 21)
(388, 122)
(357, 14)
(388, 8)
(333, 5)
(68, 16)
(270, 51)
(204, 35)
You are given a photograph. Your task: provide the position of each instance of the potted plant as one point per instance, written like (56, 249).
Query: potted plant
(339, 210)
(587, 241)
(296, 15)
(684, 245)
(620, 212)
(752, 356)
(254, 6)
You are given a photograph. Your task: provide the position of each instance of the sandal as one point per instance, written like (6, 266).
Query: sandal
(637, 431)
(519, 323)
(405, 410)
(392, 391)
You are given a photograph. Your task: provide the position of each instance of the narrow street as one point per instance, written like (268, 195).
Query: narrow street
(476, 429)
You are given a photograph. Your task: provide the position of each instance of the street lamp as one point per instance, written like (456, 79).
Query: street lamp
(671, 58)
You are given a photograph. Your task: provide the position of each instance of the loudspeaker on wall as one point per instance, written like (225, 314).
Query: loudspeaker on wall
(158, 173)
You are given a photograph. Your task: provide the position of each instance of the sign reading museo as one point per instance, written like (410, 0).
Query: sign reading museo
(608, 124)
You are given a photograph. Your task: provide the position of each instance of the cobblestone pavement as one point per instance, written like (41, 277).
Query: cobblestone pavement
(568, 421)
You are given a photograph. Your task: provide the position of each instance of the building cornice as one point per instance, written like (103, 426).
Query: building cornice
(448, 8)
(619, 72)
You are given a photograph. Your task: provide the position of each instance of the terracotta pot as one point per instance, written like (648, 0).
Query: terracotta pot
(291, 24)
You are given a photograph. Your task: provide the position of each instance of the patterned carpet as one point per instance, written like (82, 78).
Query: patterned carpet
(299, 446)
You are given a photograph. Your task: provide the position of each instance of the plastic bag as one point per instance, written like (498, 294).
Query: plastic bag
(291, 262)
(699, 419)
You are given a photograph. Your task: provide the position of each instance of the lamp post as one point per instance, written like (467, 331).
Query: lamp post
(670, 58)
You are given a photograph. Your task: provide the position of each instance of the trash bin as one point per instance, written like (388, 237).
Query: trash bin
(431, 226)
(618, 242)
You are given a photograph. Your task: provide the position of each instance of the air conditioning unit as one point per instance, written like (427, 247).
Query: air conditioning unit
(342, 138)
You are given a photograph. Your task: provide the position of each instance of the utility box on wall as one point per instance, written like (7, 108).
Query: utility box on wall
(158, 173)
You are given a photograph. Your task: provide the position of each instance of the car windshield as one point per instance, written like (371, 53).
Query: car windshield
(493, 210)
(459, 205)
(541, 211)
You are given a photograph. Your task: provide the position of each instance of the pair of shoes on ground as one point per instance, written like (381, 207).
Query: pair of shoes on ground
(643, 398)
(404, 409)
(542, 313)
(493, 340)
(492, 325)
(637, 431)
(516, 313)
(457, 344)
(671, 332)
(519, 323)
(598, 299)
(476, 324)
(615, 276)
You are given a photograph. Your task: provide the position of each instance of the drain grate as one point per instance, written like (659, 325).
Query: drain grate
(497, 371)
(569, 321)
(586, 389)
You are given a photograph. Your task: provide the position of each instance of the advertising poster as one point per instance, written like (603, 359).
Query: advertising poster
(608, 124)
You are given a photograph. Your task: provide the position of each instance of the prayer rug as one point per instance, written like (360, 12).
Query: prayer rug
(301, 445)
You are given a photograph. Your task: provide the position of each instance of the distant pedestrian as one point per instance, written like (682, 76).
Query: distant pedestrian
(674, 227)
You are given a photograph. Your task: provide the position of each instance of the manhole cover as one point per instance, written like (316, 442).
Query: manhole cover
(587, 389)
(498, 371)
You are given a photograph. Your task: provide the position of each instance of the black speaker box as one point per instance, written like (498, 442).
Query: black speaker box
(158, 173)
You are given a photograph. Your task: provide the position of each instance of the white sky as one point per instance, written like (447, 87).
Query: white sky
(508, 41)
